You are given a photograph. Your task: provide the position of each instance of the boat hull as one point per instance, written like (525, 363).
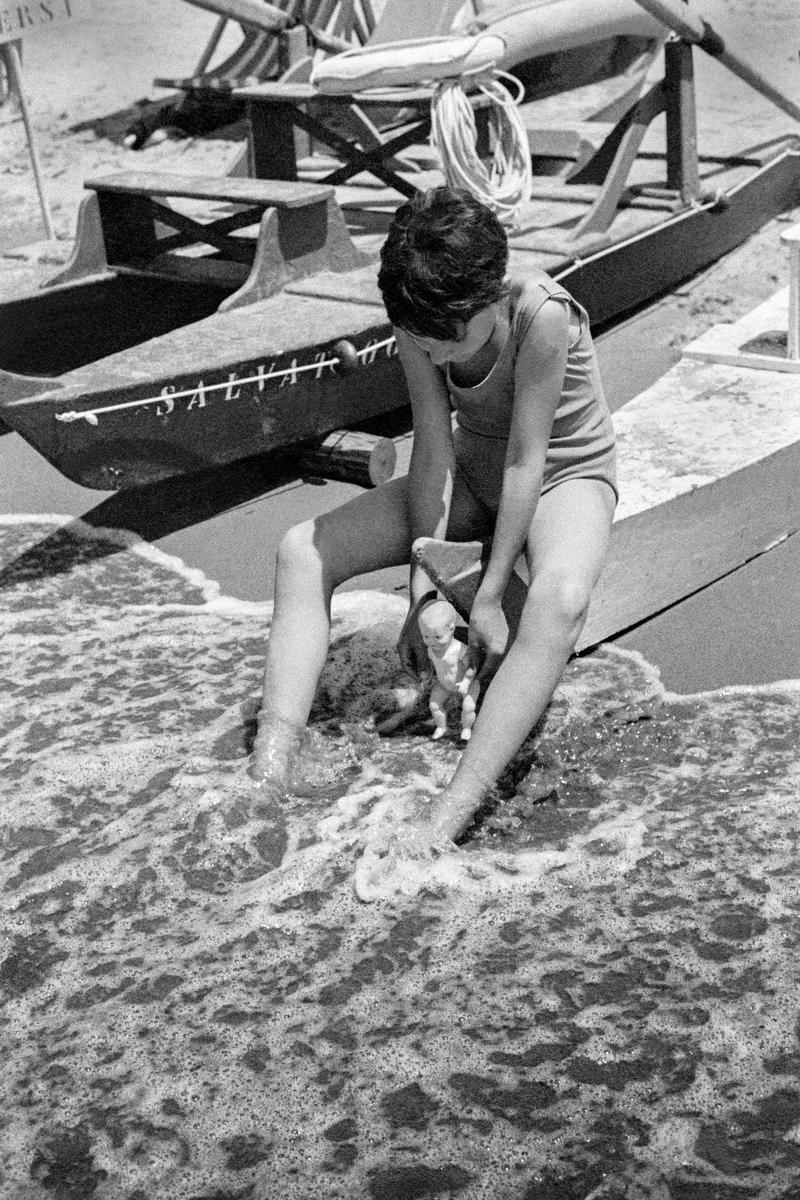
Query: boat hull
(142, 423)
(672, 251)
(155, 430)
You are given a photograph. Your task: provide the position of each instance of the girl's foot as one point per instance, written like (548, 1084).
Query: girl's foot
(275, 750)
(399, 866)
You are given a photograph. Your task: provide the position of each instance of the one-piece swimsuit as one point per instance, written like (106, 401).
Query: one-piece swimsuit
(581, 442)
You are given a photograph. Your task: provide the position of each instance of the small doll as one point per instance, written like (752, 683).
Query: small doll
(450, 660)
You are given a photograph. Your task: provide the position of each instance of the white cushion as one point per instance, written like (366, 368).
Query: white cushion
(395, 64)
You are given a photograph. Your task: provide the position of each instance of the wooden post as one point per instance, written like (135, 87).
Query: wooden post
(14, 67)
(351, 456)
(17, 21)
(272, 153)
(293, 50)
(682, 169)
(791, 238)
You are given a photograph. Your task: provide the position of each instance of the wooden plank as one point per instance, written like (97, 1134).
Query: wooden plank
(566, 139)
(736, 344)
(359, 286)
(657, 557)
(664, 554)
(272, 193)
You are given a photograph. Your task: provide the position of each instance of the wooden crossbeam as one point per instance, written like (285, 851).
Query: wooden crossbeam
(212, 233)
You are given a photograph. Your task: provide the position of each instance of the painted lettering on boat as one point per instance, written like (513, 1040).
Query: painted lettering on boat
(168, 406)
(198, 400)
(198, 394)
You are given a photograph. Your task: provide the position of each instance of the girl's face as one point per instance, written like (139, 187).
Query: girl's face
(474, 334)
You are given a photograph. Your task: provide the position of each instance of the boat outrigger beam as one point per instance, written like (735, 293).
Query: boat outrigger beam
(694, 29)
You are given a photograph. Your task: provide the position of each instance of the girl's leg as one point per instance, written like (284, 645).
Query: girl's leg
(567, 546)
(369, 532)
(366, 534)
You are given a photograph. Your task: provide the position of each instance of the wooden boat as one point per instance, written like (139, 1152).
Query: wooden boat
(173, 342)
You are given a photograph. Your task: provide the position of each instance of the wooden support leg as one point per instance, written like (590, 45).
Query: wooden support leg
(791, 239)
(127, 227)
(89, 250)
(602, 212)
(272, 149)
(294, 243)
(292, 51)
(682, 169)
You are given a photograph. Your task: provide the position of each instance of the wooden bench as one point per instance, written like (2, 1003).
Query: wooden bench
(126, 224)
(342, 123)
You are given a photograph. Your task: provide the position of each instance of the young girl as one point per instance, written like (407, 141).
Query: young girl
(530, 463)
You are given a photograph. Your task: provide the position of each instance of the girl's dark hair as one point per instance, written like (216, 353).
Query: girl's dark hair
(443, 261)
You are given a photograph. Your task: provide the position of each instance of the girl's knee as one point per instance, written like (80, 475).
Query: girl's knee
(562, 598)
(297, 550)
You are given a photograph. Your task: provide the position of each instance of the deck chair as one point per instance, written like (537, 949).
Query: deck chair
(356, 129)
(599, 148)
(277, 40)
(270, 46)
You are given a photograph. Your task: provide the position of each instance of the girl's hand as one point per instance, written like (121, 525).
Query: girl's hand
(411, 649)
(488, 636)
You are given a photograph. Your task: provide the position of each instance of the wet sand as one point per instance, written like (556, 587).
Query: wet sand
(596, 996)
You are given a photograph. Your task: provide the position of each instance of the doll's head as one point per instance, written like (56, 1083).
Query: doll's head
(437, 621)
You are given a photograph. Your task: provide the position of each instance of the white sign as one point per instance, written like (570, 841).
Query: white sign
(17, 20)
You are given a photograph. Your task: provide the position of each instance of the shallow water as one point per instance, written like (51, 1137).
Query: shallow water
(597, 996)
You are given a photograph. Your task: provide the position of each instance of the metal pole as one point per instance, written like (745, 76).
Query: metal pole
(12, 59)
(674, 14)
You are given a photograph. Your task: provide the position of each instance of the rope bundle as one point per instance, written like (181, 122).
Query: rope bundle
(506, 185)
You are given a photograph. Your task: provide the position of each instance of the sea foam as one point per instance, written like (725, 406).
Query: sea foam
(595, 994)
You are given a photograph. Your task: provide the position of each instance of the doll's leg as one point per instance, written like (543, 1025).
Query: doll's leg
(566, 550)
(469, 709)
(438, 711)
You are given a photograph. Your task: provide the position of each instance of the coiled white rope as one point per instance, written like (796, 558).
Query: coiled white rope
(507, 184)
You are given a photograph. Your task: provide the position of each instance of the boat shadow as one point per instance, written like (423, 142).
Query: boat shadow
(150, 512)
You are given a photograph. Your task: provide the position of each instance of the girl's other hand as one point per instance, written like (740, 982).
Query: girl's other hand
(488, 636)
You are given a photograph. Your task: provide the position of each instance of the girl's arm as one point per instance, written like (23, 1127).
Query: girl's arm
(430, 481)
(538, 380)
(432, 467)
